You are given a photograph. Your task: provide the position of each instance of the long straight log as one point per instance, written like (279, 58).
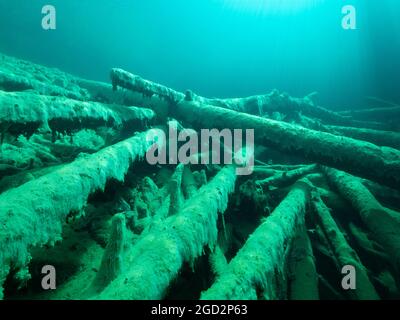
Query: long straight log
(255, 105)
(383, 223)
(304, 277)
(344, 254)
(358, 157)
(22, 111)
(378, 137)
(376, 114)
(34, 213)
(258, 268)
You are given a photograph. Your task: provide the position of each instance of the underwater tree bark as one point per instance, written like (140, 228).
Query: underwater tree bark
(376, 114)
(155, 260)
(344, 254)
(358, 157)
(383, 223)
(378, 137)
(286, 178)
(304, 277)
(255, 105)
(26, 112)
(258, 266)
(112, 264)
(33, 214)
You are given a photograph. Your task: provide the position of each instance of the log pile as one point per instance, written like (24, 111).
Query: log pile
(77, 192)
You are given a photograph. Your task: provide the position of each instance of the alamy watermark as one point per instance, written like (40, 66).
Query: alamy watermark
(211, 146)
(49, 20)
(349, 20)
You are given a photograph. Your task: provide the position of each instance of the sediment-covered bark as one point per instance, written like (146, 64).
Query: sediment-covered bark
(303, 273)
(26, 112)
(112, 261)
(361, 158)
(156, 258)
(258, 268)
(33, 214)
(287, 177)
(378, 137)
(383, 223)
(384, 114)
(344, 254)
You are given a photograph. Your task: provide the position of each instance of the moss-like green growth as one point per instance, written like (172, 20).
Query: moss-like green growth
(257, 271)
(159, 254)
(33, 214)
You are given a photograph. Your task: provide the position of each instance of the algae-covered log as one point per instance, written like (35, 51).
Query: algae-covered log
(384, 114)
(157, 257)
(33, 214)
(19, 75)
(258, 268)
(383, 223)
(112, 261)
(344, 254)
(361, 158)
(157, 96)
(378, 137)
(256, 105)
(25, 112)
(304, 277)
(287, 177)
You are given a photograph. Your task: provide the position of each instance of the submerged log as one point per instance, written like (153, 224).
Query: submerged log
(378, 137)
(304, 277)
(361, 158)
(258, 268)
(344, 254)
(286, 178)
(383, 223)
(26, 112)
(112, 262)
(34, 213)
(255, 105)
(156, 258)
(376, 114)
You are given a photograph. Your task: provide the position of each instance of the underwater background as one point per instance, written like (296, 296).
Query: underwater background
(221, 48)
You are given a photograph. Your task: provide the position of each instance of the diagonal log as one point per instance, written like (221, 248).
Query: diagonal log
(344, 254)
(161, 98)
(155, 260)
(257, 269)
(304, 277)
(33, 214)
(286, 178)
(383, 223)
(377, 114)
(26, 112)
(378, 137)
(358, 157)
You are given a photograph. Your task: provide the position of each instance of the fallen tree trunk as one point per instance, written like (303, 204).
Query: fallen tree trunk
(344, 254)
(34, 213)
(255, 105)
(361, 158)
(26, 112)
(378, 137)
(304, 277)
(286, 178)
(384, 224)
(156, 258)
(375, 114)
(257, 269)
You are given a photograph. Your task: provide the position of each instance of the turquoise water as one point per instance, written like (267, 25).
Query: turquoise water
(220, 48)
